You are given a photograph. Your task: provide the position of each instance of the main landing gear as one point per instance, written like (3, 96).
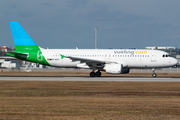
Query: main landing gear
(97, 74)
(154, 74)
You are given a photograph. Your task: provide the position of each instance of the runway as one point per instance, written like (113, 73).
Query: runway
(108, 79)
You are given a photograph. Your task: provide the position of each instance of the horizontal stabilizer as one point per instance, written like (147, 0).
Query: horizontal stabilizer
(17, 54)
(8, 58)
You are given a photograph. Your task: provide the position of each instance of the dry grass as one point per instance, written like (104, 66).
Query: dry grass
(89, 100)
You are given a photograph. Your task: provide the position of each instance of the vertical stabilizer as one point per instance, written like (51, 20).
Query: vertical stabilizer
(26, 48)
(21, 39)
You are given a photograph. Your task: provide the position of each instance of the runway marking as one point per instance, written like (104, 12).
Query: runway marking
(109, 79)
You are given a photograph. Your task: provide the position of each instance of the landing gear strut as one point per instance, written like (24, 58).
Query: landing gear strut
(97, 74)
(154, 74)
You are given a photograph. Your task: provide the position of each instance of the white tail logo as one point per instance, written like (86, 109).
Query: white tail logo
(39, 56)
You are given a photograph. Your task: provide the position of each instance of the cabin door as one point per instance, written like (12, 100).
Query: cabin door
(153, 56)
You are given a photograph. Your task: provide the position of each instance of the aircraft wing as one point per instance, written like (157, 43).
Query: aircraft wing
(85, 60)
(92, 63)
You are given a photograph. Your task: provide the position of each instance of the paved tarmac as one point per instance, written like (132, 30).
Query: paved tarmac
(115, 79)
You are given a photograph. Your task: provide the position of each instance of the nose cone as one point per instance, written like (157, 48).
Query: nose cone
(174, 61)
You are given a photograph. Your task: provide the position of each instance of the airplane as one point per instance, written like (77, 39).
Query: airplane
(113, 61)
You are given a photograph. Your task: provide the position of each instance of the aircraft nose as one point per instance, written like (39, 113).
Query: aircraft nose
(174, 61)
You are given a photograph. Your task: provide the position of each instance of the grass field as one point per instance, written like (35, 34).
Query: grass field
(89, 100)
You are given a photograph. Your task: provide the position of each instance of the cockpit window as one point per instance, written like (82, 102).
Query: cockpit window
(166, 55)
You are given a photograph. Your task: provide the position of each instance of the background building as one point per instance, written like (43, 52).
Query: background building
(4, 49)
(173, 51)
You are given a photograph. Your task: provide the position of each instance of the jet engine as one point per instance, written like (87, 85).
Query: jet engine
(113, 68)
(125, 71)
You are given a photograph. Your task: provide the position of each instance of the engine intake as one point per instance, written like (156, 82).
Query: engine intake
(125, 71)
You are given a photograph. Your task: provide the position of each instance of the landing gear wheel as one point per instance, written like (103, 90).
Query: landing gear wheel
(154, 74)
(98, 74)
(92, 74)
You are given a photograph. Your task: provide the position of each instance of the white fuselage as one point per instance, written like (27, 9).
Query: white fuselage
(130, 58)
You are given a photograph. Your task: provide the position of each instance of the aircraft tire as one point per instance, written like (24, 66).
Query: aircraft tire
(154, 74)
(92, 74)
(98, 74)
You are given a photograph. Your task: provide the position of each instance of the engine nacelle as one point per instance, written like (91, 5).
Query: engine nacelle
(125, 71)
(113, 68)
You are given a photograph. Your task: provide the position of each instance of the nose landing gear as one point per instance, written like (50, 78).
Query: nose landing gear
(154, 74)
